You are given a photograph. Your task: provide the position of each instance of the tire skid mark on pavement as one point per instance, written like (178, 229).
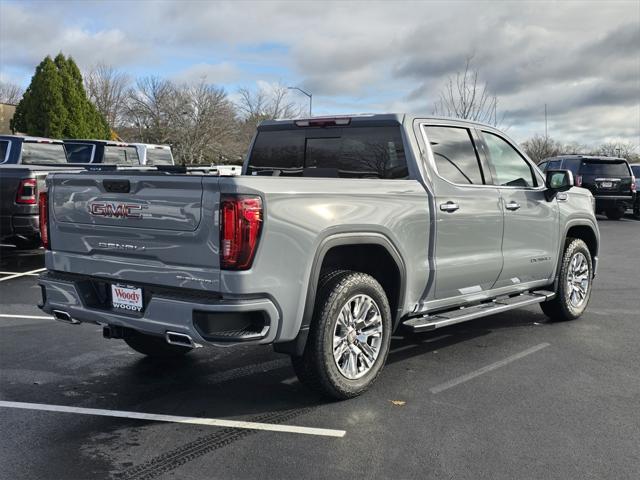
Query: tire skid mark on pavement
(177, 457)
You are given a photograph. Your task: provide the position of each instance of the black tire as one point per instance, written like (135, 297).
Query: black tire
(317, 368)
(636, 208)
(153, 346)
(561, 308)
(615, 213)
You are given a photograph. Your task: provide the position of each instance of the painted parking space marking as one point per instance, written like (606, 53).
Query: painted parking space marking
(153, 417)
(16, 275)
(414, 345)
(28, 317)
(20, 273)
(488, 368)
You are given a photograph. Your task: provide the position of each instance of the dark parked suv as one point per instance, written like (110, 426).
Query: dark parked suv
(636, 205)
(609, 179)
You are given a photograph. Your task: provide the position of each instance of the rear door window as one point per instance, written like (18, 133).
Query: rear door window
(572, 164)
(455, 155)
(511, 169)
(553, 164)
(605, 168)
(43, 153)
(79, 152)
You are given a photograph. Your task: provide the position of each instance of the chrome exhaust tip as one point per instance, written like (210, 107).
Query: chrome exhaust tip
(180, 339)
(64, 317)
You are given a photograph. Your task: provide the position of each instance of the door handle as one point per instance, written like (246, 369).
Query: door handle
(512, 206)
(449, 206)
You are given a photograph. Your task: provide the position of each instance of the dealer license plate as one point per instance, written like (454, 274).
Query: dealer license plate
(606, 184)
(126, 298)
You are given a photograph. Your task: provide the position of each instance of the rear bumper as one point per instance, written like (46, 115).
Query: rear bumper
(171, 311)
(609, 201)
(19, 225)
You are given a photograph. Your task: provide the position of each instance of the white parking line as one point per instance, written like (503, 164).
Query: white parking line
(464, 378)
(414, 345)
(16, 275)
(271, 427)
(31, 317)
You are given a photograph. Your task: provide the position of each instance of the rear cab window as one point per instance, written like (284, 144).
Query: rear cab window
(159, 156)
(346, 152)
(79, 152)
(120, 155)
(43, 153)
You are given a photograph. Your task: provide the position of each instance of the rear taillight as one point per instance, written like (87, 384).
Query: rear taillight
(578, 180)
(633, 184)
(43, 210)
(240, 225)
(27, 191)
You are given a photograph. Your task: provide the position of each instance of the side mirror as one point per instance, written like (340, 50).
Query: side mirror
(558, 181)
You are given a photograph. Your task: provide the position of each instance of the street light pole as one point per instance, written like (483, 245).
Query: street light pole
(308, 95)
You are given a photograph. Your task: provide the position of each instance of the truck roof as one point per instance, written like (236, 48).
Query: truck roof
(98, 142)
(25, 138)
(151, 145)
(600, 158)
(363, 119)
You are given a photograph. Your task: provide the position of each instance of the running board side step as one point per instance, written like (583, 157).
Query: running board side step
(459, 315)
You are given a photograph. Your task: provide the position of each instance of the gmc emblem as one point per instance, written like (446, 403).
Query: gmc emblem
(115, 209)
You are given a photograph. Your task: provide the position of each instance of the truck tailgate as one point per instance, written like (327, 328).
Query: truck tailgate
(144, 227)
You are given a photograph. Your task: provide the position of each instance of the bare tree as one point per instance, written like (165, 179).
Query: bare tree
(540, 147)
(267, 103)
(107, 88)
(150, 108)
(204, 121)
(10, 93)
(464, 97)
(624, 150)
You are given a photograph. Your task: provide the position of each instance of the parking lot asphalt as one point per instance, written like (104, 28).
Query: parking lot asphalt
(511, 396)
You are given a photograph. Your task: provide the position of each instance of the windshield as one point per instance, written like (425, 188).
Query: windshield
(159, 156)
(352, 152)
(608, 168)
(79, 152)
(43, 153)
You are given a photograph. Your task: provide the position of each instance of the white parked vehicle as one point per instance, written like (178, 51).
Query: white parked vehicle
(154, 154)
(227, 170)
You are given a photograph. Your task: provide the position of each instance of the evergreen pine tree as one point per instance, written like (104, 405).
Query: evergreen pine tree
(56, 105)
(41, 111)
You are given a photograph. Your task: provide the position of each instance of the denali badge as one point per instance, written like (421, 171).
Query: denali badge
(120, 246)
(115, 209)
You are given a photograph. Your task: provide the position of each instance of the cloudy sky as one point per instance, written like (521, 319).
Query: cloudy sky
(580, 58)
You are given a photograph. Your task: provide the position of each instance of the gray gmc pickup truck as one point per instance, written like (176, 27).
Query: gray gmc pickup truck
(339, 231)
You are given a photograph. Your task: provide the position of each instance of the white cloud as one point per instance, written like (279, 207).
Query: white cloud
(581, 58)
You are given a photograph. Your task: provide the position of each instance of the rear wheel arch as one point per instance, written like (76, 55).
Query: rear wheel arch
(366, 252)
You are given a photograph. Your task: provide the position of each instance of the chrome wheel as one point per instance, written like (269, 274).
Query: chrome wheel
(578, 280)
(357, 336)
